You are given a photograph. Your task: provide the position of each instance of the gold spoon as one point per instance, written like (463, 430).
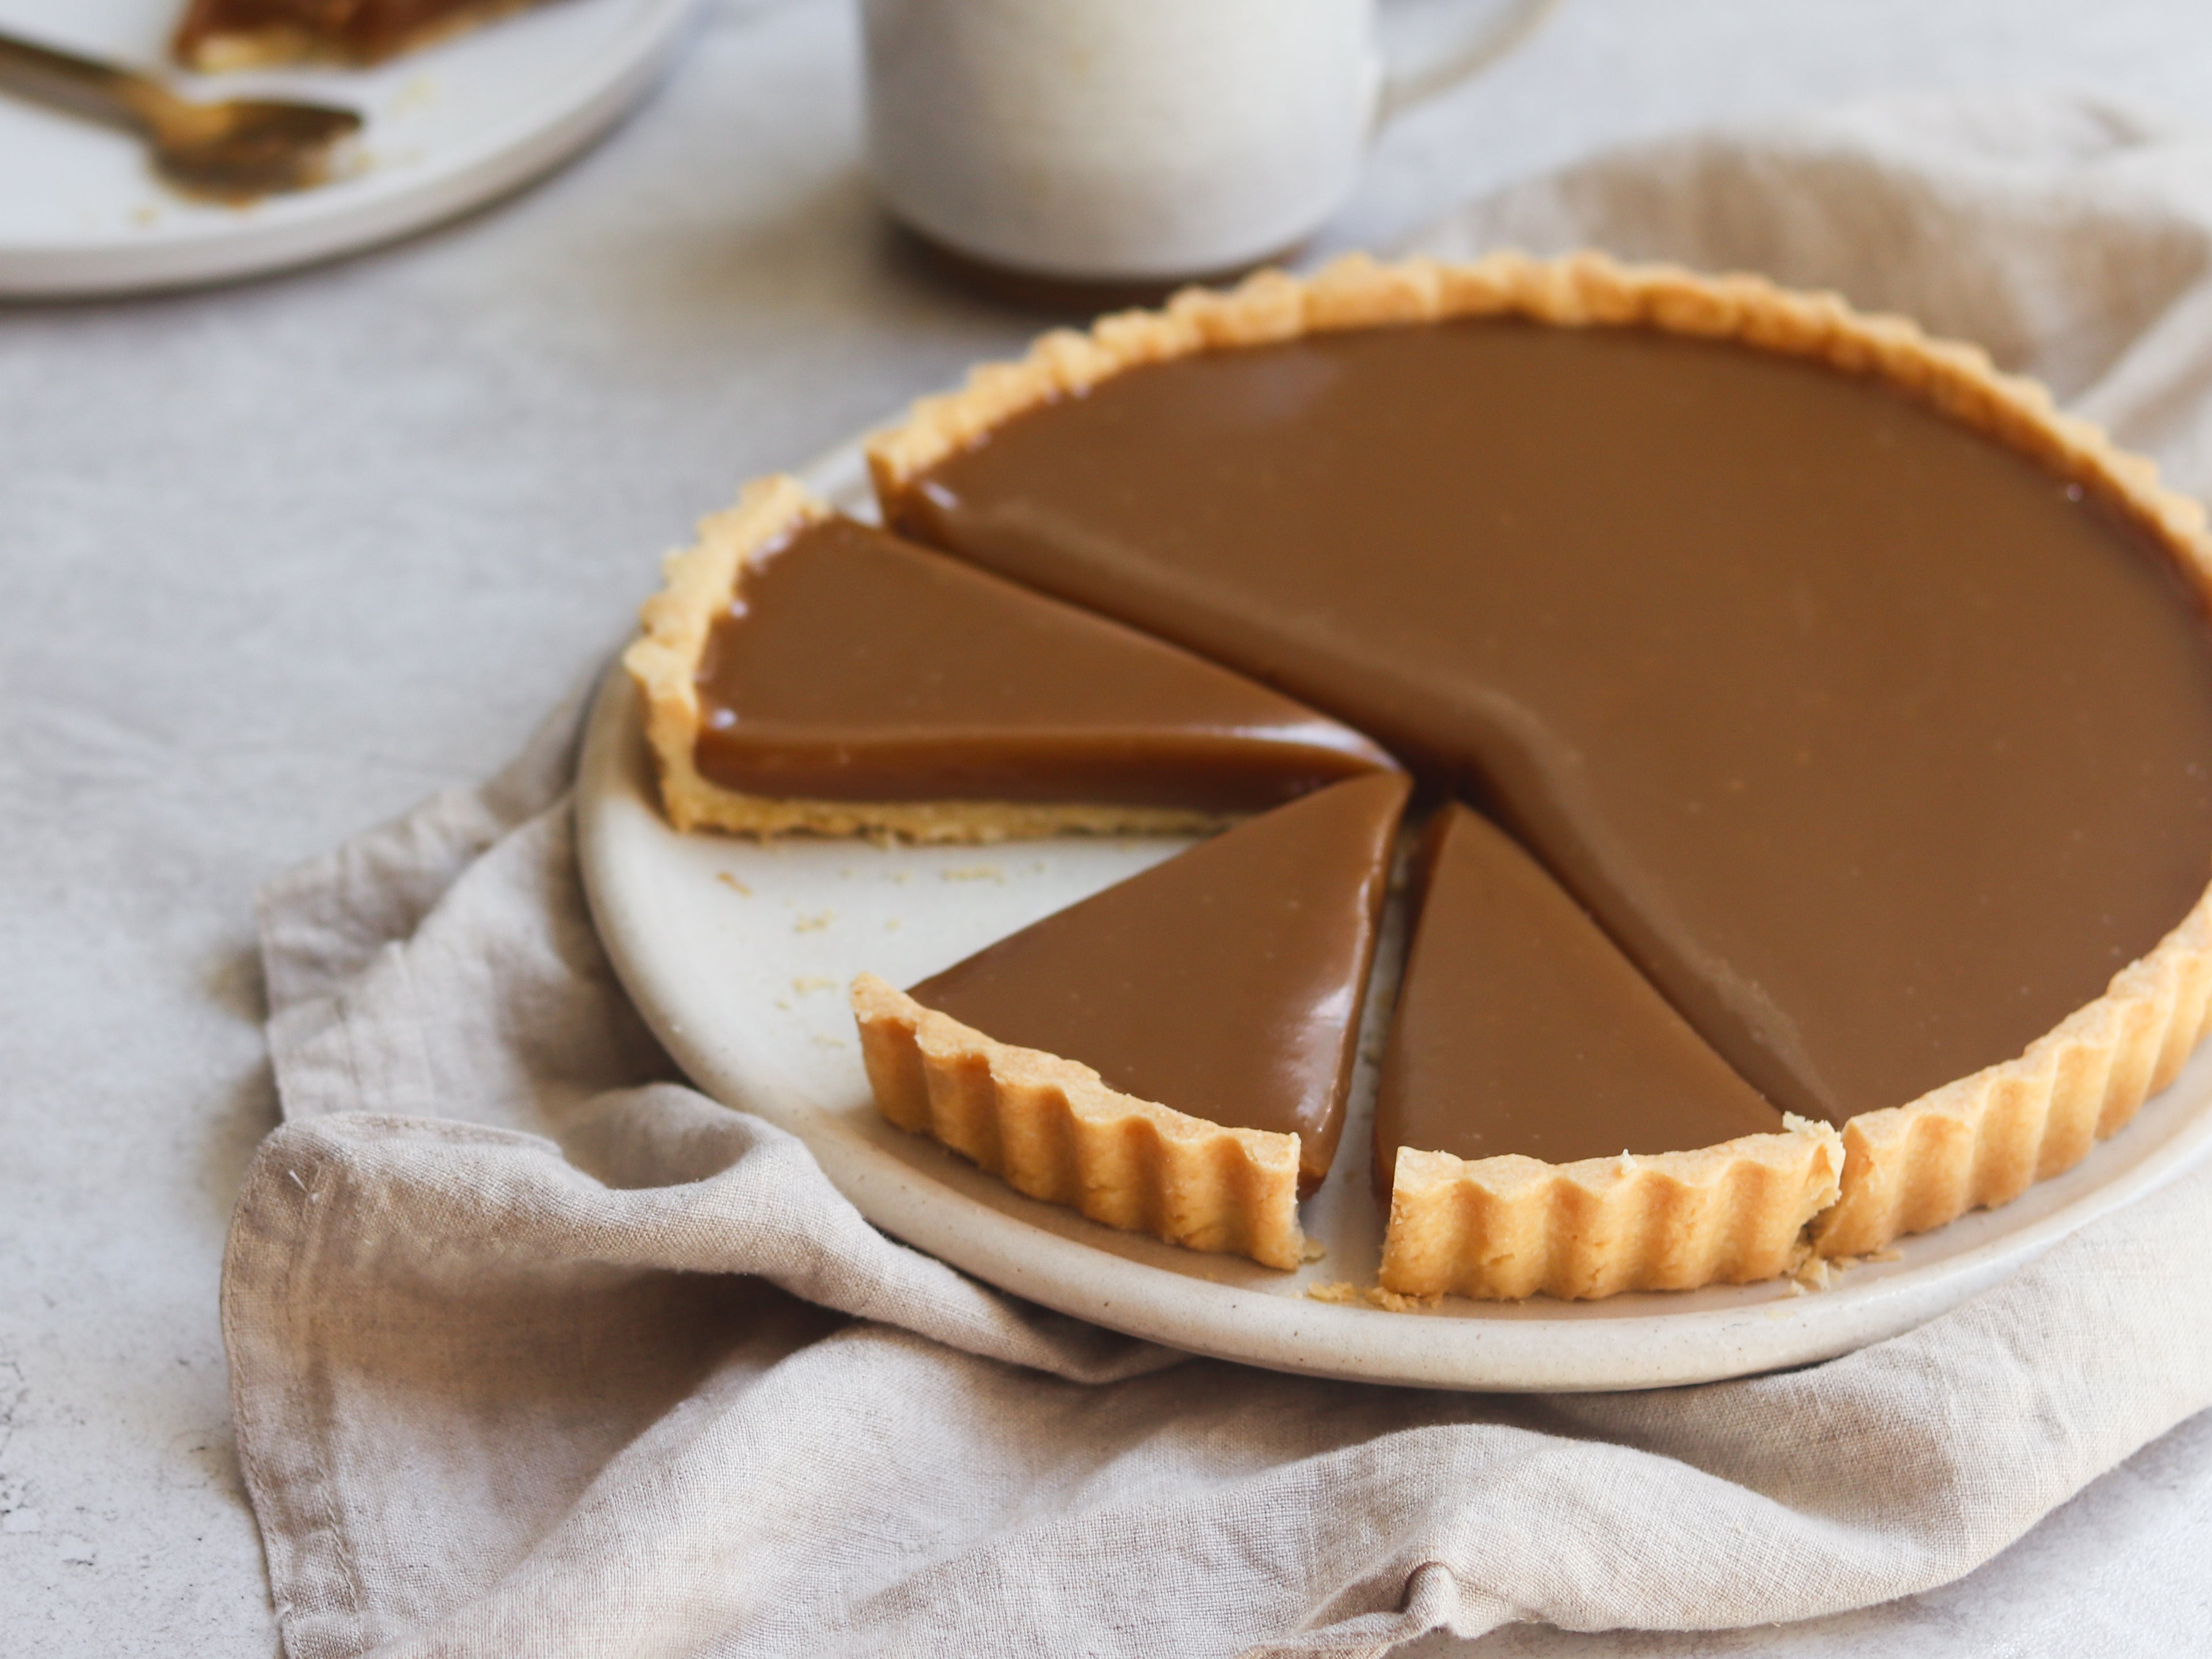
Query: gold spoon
(234, 151)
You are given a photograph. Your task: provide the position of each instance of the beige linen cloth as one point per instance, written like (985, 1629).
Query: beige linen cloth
(535, 1350)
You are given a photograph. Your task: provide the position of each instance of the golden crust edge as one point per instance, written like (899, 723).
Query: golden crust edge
(1577, 290)
(1506, 1227)
(697, 583)
(1982, 1140)
(1051, 1129)
(1962, 1146)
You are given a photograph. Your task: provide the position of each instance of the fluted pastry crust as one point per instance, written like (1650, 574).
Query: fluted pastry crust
(1978, 1141)
(1512, 1226)
(1051, 1128)
(698, 585)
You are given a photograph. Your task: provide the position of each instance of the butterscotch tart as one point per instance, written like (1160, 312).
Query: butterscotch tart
(1859, 700)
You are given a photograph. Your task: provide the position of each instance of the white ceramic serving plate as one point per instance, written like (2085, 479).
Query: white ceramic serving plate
(449, 128)
(738, 953)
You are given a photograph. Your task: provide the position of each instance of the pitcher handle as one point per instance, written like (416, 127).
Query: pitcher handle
(1408, 85)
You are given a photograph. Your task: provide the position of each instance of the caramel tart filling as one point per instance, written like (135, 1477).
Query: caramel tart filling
(1521, 1028)
(851, 666)
(1225, 983)
(804, 673)
(1878, 746)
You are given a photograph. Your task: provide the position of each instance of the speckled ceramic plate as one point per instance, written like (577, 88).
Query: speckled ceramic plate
(739, 955)
(449, 128)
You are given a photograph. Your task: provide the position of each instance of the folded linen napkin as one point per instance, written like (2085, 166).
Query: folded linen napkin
(535, 1350)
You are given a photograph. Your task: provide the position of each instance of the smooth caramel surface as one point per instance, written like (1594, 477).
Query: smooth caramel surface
(855, 666)
(1876, 747)
(1227, 983)
(1521, 1028)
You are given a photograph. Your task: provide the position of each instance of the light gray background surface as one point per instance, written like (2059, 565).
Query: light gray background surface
(279, 560)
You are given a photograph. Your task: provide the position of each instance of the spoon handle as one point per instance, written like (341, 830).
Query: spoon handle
(106, 92)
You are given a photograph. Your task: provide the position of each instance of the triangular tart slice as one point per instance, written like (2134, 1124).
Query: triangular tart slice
(1545, 1121)
(1170, 1055)
(804, 671)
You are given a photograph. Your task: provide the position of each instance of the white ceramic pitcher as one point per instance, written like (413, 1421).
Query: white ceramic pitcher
(1135, 139)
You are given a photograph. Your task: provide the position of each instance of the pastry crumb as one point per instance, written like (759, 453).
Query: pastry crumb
(807, 984)
(823, 1040)
(813, 924)
(977, 873)
(1391, 1302)
(1313, 1251)
(1818, 1273)
(1344, 1294)
(733, 883)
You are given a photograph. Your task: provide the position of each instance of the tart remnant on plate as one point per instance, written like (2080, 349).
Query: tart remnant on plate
(218, 36)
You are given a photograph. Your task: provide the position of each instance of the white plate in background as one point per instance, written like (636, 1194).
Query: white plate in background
(738, 954)
(449, 128)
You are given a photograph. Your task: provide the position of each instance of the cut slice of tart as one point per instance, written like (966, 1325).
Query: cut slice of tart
(1170, 1055)
(221, 35)
(1546, 1122)
(803, 671)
